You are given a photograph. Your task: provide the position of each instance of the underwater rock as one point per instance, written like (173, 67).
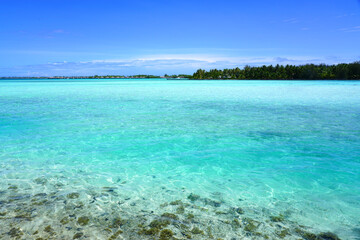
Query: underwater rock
(40, 195)
(283, 233)
(170, 215)
(49, 230)
(311, 236)
(166, 234)
(236, 223)
(18, 197)
(65, 220)
(305, 234)
(108, 189)
(180, 210)
(187, 235)
(177, 202)
(78, 235)
(164, 205)
(79, 205)
(193, 197)
(190, 216)
(25, 216)
(196, 230)
(279, 218)
(115, 235)
(38, 203)
(15, 232)
(152, 231)
(209, 232)
(328, 236)
(220, 213)
(239, 210)
(250, 225)
(159, 223)
(59, 185)
(83, 221)
(184, 227)
(212, 203)
(2, 214)
(12, 187)
(73, 195)
(117, 222)
(40, 180)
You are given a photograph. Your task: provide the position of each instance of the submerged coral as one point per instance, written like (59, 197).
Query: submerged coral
(180, 219)
(279, 218)
(193, 197)
(170, 216)
(83, 220)
(166, 234)
(73, 195)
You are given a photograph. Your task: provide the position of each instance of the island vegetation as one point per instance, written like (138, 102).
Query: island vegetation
(121, 76)
(343, 71)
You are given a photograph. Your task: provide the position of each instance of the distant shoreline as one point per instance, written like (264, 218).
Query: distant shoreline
(339, 72)
(171, 79)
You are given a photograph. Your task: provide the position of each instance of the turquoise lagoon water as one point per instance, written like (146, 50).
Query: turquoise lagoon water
(230, 159)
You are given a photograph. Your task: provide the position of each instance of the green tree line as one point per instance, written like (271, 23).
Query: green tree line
(342, 71)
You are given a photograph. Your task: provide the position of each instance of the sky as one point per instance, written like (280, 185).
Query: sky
(126, 37)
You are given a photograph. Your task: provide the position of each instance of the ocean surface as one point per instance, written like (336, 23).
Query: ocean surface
(149, 159)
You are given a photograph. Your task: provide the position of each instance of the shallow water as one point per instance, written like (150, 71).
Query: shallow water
(93, 159)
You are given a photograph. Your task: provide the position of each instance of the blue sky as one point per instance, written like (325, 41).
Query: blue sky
(86, 37)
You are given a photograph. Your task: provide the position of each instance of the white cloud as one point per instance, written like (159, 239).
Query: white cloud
(291, 20)
(346, 15)
(60, 31)
(156, 64)
(350, 29)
